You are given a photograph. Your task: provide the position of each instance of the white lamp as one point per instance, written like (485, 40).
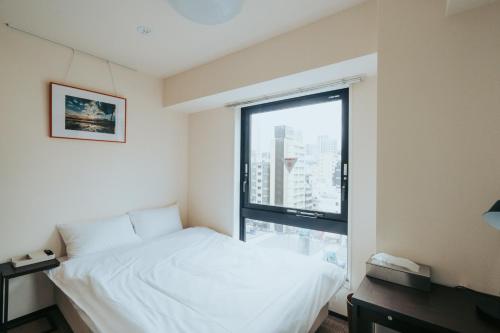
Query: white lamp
(491, 306)
(492, 216)
(207, 12)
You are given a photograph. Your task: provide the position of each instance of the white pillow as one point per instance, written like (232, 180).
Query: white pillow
(87, 238)
(151, 223)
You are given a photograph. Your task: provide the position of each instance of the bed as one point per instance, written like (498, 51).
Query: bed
(195, 280)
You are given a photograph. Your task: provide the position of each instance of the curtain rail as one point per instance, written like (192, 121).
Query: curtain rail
(341, 82)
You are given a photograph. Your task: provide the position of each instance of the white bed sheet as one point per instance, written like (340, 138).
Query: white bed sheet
(197, 280)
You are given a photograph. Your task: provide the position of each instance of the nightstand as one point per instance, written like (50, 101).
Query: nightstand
(443, 309)
(7, 272)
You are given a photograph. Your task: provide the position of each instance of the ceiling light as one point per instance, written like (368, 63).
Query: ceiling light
(207, 12)
(143, 30)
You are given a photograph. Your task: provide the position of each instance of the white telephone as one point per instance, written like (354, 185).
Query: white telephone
(33, 258)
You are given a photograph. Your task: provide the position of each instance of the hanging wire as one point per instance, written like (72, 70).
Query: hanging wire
(112, 77)
(70, 64)
(74, 51)
(63, 45)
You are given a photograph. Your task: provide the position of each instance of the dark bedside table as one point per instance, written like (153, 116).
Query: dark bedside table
(443, 309)
(7, 272)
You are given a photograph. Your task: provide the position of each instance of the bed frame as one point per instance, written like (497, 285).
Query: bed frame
(78, 324)
(71, 313)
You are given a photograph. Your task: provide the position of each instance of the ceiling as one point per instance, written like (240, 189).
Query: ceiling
(108, 28)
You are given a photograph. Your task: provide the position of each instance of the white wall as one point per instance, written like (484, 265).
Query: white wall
(212, 187)
(46, 181)
(438, 136)
(363, 179)
(211, 169)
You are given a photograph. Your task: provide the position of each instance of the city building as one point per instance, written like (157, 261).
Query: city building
(288, 188)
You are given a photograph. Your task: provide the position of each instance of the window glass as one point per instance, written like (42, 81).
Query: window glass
(320, 244)
(295, 157)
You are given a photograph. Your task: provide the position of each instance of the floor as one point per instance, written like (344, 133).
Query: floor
(333, 325)
(43, 325)
(330, 325)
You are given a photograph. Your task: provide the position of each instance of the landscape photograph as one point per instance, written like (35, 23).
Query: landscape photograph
(89, 115)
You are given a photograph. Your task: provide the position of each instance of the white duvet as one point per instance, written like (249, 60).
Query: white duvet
(197, 280)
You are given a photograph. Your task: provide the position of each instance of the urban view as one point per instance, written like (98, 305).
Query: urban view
(295, 163)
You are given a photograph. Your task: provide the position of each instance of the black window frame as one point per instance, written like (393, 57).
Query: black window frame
(322, 221)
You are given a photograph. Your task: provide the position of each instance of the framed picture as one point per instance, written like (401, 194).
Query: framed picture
(86, 115)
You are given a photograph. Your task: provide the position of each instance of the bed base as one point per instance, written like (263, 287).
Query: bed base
(70, 313)
(322, 315)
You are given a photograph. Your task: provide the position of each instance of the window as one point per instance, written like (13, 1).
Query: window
(294, 166)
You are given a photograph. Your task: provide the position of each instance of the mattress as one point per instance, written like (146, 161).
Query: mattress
(197, 280)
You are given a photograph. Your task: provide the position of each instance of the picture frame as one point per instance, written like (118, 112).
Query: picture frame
(83, 114)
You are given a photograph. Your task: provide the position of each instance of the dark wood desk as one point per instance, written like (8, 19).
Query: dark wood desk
(443, 309)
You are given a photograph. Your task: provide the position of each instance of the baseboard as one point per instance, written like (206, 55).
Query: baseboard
(337, 315)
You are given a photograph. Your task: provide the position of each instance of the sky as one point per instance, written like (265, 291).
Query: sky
(83, 105)
(312, 120)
